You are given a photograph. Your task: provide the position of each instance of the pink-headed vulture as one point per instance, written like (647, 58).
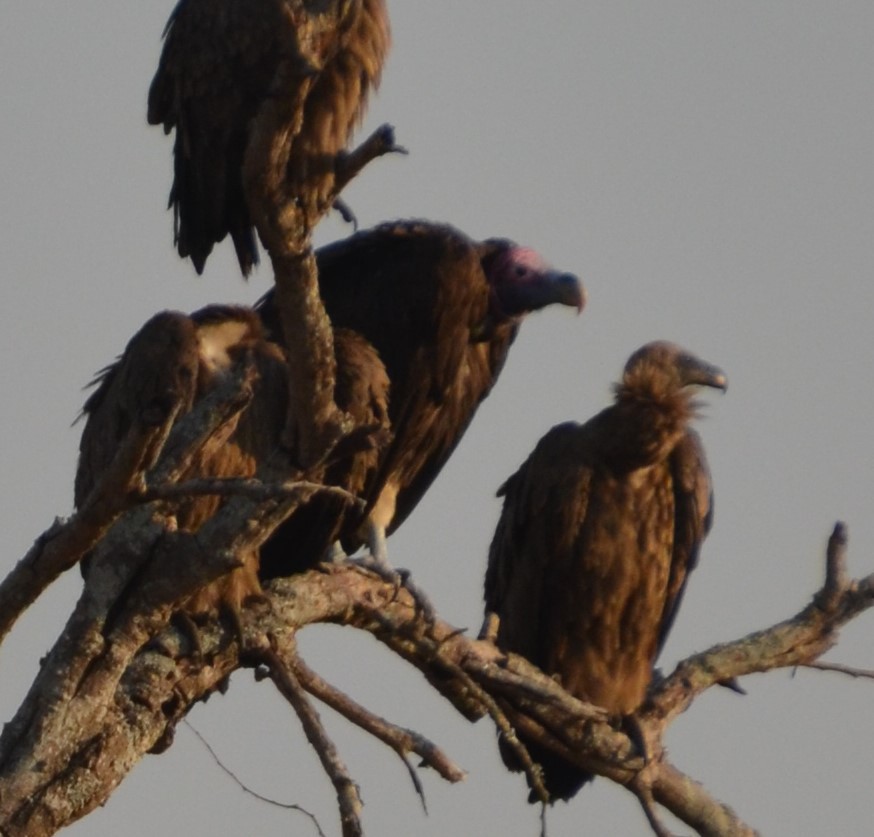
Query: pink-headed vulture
(219, 64)
(600, 529)
(441, 310)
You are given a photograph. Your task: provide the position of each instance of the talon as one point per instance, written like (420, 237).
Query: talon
(489, 630)
(346, 213)
(631, 726)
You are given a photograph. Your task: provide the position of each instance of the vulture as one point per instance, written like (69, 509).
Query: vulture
(441, 311)
(218, 66)
(599, 530)
(176, 359)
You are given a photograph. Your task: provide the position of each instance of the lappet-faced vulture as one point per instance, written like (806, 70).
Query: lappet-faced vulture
(442, 311)
(219, 64)
(600, 528)
(174, 361)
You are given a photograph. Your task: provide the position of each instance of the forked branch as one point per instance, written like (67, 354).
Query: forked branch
(119, 696)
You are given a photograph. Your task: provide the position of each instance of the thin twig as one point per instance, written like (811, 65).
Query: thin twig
(431, 648)
(289, 806)
(840, 669)
(835, 567)
(254, 489)
(350, 165)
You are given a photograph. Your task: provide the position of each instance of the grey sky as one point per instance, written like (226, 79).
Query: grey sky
(705, 167)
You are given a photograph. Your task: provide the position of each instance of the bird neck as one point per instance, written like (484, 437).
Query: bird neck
(648, 426)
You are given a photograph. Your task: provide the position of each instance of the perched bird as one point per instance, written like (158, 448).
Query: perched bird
(599, 530)
(175, 360)
(442, 311)
(219, 65)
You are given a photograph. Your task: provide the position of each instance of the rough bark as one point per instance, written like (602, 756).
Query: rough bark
(107, 694)
(286, 202)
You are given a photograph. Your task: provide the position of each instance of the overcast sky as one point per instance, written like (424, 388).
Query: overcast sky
(706, 168)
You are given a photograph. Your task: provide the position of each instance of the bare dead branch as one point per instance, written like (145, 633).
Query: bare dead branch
(840, 669)
(689, 801)
(492, 707)
(348, 798)
(641, 787)
(62, 545)
(351, 164)
(403, 741)
(835, 566)
(254, 489)
(116, 696)
(794, 642)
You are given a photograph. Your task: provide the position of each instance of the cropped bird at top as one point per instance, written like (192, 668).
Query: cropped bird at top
(599, 530)
(220, 63)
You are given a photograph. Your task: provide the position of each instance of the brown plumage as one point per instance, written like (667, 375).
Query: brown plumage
(442, 311)
(216, 69)
(176, 359)
(600, 528)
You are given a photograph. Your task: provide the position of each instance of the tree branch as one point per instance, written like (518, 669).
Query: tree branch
(106, 695)
(289, 806)
(348, 798)
(62, 545)
(288, 192)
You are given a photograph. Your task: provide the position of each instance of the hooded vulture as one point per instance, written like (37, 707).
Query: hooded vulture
(441, 310)
(219, 64)
(176, 359)
(600, 528)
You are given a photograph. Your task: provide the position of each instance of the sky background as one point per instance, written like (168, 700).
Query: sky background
(706, 168)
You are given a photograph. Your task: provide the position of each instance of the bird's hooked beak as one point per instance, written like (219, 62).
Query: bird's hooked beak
(696, 372)
(569, 289)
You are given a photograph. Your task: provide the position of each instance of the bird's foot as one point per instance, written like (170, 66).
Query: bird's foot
(489, 630)
(733, 684)
(346, 213)
(334, 559)
(400, 579)
(631, 726)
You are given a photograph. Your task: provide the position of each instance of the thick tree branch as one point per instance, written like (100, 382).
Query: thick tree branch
(106, 695)
(64, 543)
(402, 741)
(288, 191)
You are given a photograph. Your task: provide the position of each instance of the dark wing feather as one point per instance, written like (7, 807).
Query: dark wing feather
(362, 391)
(160, 374)
(418, 294)
(545, 506)
(217, 64)
(528, 561)
(155, 377)
(693, 499)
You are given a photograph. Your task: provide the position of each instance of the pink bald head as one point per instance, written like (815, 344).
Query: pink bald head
(523, 281)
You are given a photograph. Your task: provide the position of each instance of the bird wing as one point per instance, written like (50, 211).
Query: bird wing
(155, 376)
(693, 509)
(545, 506)
(217, 65)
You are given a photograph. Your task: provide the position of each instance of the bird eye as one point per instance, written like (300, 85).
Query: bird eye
(521, 270)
